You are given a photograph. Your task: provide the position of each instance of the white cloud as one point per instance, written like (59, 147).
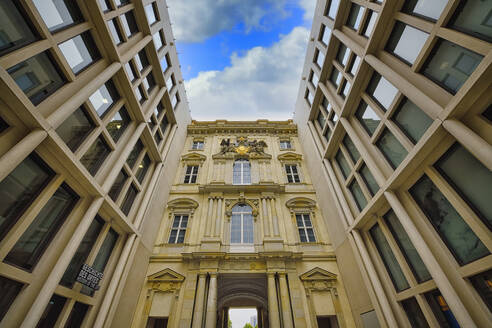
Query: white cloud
(262, 83)
(308, 6)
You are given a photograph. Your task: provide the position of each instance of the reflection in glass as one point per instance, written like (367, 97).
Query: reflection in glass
(104, 98)
(483, 285)
(118, 124)
(143, 168)
(426, 8)
(305, 228)
(335, 77)
(129, 24)
(343, 164)
(412, 120)
(406, 42)
(9, 289)
(241, 172)
(51, 312)
(368, 178)
(332, 10)
(241, 225)
(115, 31)
(343, 55)
(141, 60)
(129, 70)
(391, 148)
(370, 22)
(355, 16)
(104, 5)
(354, 66)
(77, 315)
(319, 58)
(321, 119)
(414, 313)
(440, 309)
(353, 152)
(367, 117)
(95, 156)
(345, 88)
(178, 230)
(456, 234)
(450, 65)
(130, 196)
(150, 13)
(325, 34)
(75, 128)
(37, 76)
(358, 195)
(15, 29)
(382, 91)
(58, 14)
(475, 18)
(118, 184)
(164, 124)
(132, 158)
(79, 52)
(158, 41)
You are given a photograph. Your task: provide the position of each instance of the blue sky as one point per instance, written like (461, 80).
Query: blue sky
(241, 59)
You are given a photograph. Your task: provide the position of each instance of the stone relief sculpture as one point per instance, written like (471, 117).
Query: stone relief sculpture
(243, 146)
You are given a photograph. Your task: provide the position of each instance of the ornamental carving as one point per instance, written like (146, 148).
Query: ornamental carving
(242, 148)
(167, 281)
(253, 203)
(182, 206)
(301, 204)
(318, 279)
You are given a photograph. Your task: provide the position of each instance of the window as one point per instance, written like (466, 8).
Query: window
(150, 12)
(74, 130)
(52, 311)
(241, 172)
(324, 35)
(382, 91)
(20, 188)
(285, 144)
(118, 124)
(9, 289)
(38, 77)
(331, 10)
(313, 78)
(354, 66)
(425, 8)
(77, 315)
(115, 31)
(353, 152)
(470, 178)
(392, 267)
(305, 228)
(35, 240)
(3, 125)
(166, 63)
(391, 148)
(343, 164)
(242, 225)
(358, 195)
(129, 24)
(355, 16)
(367, 117)
(319, 57)
(17, 31)
(369, 25)
(475, 18)
(141, 60)
(450, 65)
(164, 124)
(440, 308)
(104, 98)
(120, 3)
(132, 76)
(368, 178)
(335, 77)
(292, 173)
(178, 230)
(80, 52)
(58, 15)
(309, 97)
(406, 42)
(343, 55)
(155, 322)
(321, 120)
(95, 156)
(104, 5)
(454, 231)
(197, 145)
(488, 113)
(149, 82)
(483, 285)
(143, 167)
(170, 82)
(345, 88)
(191, 174)
(132, 158)
(414, 313)
(139, 93)
(158, 40)
(175, 101)
(411, 120)
(130, 196)
(118, 185)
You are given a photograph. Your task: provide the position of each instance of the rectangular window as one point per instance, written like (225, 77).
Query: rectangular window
(139, 94)
(143, 168)
(292, 173)
(104, 98)
(115, 31)
(354, 66)
(353, 152)
(118, 124)
(425, 8)
(118, 184)
(355, 16)
(20, 188)
(130, 196)
(382, 91)
(321, 120)
(335, 77)
(158, 40)
(305, 228)
(441, 310)
(309, 97)
(324, 35)
(483, 285)
(414, 313)
(132, 76)
(368, 178)
(456, 234)
(104, 5)
(17, 31)
(331, 10)
(164, 124)
(450, 65)
(83, 251)
(141, 60)
(150, 82)
(358, 195)
(197, 145)
(345, 88)
(35, 240)
(58, 15)
(412, 120)
(406, 42)
(178, 230)
(285, 144)
(191, 174)
(319, 57)
(129, 24)
(157, 322)
(74, 130)
(343, 164)
(474, 18)
(9, 289)
(343, 55)
(96, 155)
(132, 158)
(166, 63)
(175, 101)
(389, 259)
(391, 148)
(150, 12)
(39, 77)
(470, 178)
(80, 52)
(369, 25)
(77, 315)
(367, 117)
(170, 82)
(52, 311)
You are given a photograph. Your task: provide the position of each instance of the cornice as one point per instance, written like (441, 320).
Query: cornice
(253, 188)
(264, 127)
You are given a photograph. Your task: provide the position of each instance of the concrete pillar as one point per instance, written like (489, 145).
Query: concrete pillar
(266, 224)
(211, 318)
(285, 300)
(273, 310)
(218, 219)
(199, 301)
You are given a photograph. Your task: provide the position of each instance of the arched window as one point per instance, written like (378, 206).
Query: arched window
(242, 225)
(241, 172)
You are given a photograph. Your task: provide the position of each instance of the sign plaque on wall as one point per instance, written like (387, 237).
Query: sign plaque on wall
(89, 277)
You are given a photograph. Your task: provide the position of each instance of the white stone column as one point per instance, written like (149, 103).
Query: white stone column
(211, 318)
(273, 310)
(266, 224)
(199, 301)
(218, 219)
(273, 206)
(209, 216)
(285, 299)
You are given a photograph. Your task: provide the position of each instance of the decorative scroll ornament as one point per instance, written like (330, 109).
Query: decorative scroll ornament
(243, 147)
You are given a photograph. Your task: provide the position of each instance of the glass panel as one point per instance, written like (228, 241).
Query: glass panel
(470, 178)
(358, 195)
(118, 124)
(181, 236)
(143, 168)
(58, 14)
(120, 3)
(319, 58)
(389, 259)
(368, 178)
(74, 130)
(141, 60)
(236, 228)
(129, 24)
(343, 164)
(80, 52)
(325, 34)
(9, 289)
(370, 22)
(118, 185)
(104, 98)
(129, 70)
(355, 16)
(406, 246)
(95, 156)
(248, 229)
(412, 120)
(460, 239)
(346, 88)
(104, 5)
(164, 124)
(302, 235)
(332, 11)
(149, 12)
(321, 119)
(406, 42)
(132, 158)
(426, 8)
(310, 235)
(343, 55)
(391, 148)
(31, 245)
(354, 153)
(414, 313)
(20, 188)
(440, 308)
(382, 91)
(354, 66)
(483, 285)
(335, 77)
(129, 199)
(150, 82)
(82, 253)
(77, 315)
(115, 31)
(37, 76)
(172, 236)
(367, 117)
(450, 65)
(51, 312)
(158, 42)
(15, 30)
(475, 18)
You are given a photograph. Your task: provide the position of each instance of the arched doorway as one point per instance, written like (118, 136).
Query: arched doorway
(242, 290)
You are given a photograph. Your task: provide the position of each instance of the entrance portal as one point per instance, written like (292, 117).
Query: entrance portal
(242, 291)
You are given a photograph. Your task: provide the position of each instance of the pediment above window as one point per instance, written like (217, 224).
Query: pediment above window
(193, 158)
(182, 206)
(165, 275)
(289, 157)
(298, 204)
